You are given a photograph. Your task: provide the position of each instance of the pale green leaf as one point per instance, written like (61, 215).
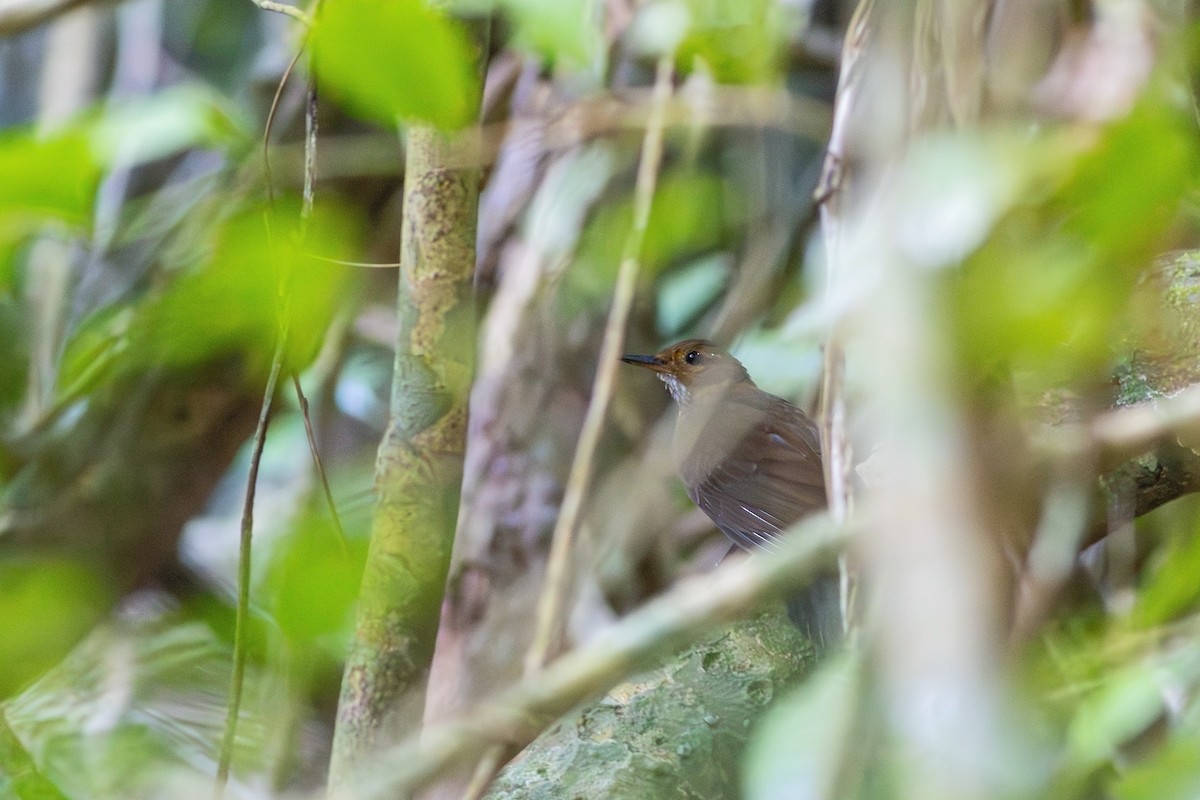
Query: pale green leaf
(396, 59)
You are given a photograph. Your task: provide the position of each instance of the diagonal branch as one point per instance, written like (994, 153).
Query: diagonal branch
(553, 598)
(516, 716)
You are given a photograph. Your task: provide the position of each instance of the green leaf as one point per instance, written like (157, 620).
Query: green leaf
(176, 119)
(562, 30)
(1049, 291)
(1171, 772)
(138, 708)
(54, 178)
(263, 266)
(1170, 587)
(1126, 703)
(19, 774)
(801, 748)
(1125, 193)
(313, 581)
(46, 607)
(390, 59)
(689, 216)
(738, 40)
(14, 353)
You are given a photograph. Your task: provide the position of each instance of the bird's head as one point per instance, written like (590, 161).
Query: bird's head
(691, 366)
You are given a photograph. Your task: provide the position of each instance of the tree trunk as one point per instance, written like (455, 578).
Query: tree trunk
(420, 461)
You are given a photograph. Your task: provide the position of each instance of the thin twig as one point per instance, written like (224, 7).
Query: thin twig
(585, 120)
(266, 139)
(1137, 427)
(1126, 432)
(515, 716)
(319, 465)
(306, 210)
(283, 8)
(310, 145)
(242, 618)
(607, 113)
(364, 264)
(554, 594)
(830, 196)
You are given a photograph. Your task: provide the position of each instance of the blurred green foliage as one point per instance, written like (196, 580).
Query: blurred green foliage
(20, 777)
(45, 179)
(398, 60)
(1038, 235)
(737, 41)
(14, 360)
(267, 270)
(1048, 292)
(52, 178)
(692, 213)
(49, 188)
(1169, 589)
(136, 709)
(563, 33)
(46, 606)
(312, 583)
(177, 118)
(561, 30)
(1169, 774)
(216, 41)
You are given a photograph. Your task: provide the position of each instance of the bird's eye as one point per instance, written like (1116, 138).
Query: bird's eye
(692, 356)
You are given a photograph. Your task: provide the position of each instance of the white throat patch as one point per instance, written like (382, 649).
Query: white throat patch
(678, 391)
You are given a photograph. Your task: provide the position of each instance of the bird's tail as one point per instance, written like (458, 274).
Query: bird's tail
(817, 611)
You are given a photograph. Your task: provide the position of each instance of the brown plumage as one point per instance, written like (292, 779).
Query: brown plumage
(750, 460)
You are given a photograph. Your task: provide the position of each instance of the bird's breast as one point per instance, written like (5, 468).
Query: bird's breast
(707, 435)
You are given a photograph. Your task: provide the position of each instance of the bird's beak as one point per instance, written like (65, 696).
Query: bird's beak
(649, 362)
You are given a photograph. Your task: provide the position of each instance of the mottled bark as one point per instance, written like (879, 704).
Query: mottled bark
(420, 461)
(678, 731)
(518, 714)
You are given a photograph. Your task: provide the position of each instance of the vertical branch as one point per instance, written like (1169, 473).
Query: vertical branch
(831, 196)
(420, 461)
(934, 568)
(310, 145)
(237, 677)
(306, 210)
(242, 616)
(930, 560)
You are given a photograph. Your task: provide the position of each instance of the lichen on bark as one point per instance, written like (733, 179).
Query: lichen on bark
(420, 461)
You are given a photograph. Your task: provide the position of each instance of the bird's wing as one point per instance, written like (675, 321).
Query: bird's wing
(754, 497)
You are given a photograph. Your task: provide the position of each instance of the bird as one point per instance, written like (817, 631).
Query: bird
(749, 460)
